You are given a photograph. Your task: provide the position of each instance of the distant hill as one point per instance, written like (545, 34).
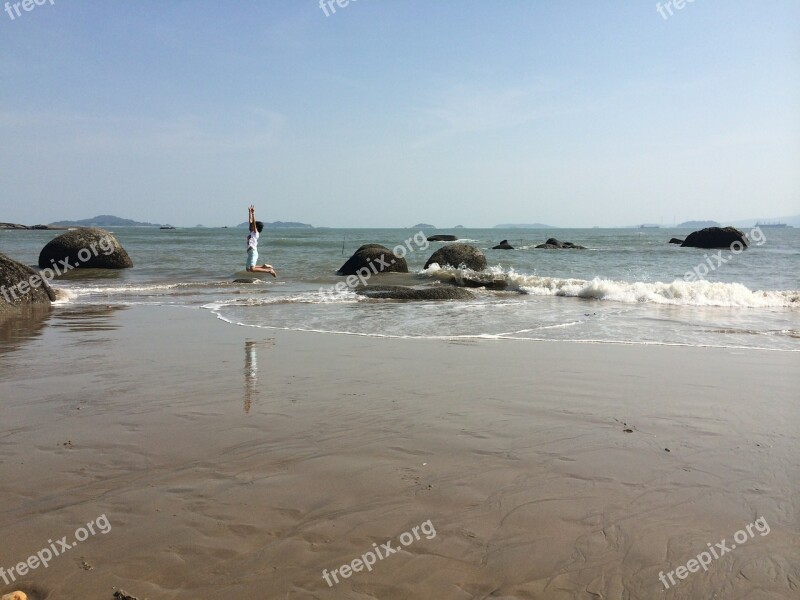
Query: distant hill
(104, 221)
(697, 224)
(280, 225)
(524, 226)
(423, 226)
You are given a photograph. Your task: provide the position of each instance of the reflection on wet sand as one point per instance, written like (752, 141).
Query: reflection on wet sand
(86, 318)
(251, 371)
(21, 326)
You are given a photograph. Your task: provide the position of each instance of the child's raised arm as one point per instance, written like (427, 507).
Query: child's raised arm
(251, 211)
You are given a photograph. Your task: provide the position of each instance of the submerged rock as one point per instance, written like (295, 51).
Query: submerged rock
(504, 245)
(397, 292)
(88, 248)
(554, 244)
(714, 237)
(376, 259)
(458, 255)
(478, 280)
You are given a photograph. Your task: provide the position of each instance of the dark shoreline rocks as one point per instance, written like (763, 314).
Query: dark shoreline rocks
(21, 286)
(398, 292)
(554, 244)
(87, 248)
(458, 255)
(715, 237)
(375, 258)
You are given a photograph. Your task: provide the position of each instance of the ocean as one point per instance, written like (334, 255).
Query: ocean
(629, 286)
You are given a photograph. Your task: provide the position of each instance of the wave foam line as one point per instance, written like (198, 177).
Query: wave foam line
(678, 292)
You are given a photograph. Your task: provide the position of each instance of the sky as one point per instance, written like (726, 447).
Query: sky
(387, 113)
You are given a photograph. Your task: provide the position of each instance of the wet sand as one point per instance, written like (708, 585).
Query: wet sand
(237, 463)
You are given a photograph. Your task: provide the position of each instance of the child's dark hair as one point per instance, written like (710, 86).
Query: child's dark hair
(259, 226)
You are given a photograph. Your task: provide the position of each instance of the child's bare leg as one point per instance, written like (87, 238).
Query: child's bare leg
(264, 269)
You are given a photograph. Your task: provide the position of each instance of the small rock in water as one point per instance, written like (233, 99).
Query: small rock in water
(123, 595)
(15, 596)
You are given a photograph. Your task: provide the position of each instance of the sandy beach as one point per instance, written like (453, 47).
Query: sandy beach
(235, 462)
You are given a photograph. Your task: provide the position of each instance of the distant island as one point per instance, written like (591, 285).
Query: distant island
(697, 224)
(280, 225)
(423, 226)
(17, 226)
(524, 226)
(104, 221)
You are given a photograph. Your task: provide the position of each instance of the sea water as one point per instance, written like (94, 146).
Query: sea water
(629, 286)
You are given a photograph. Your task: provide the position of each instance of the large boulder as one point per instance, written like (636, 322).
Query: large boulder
(458, 255)
(376, 259)
(715, 237)
(87, 247)
(21, 286)
(397, 292)
(504, 245)
(441, 237)
(554, 244)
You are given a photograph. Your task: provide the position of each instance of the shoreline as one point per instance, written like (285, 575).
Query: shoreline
(233, 459)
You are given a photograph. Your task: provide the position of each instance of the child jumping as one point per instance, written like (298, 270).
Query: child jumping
(252, 245)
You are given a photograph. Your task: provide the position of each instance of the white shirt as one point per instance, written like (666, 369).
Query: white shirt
(252, 240)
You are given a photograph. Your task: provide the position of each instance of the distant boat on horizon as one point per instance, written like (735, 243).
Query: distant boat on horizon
(646, 226)
(774, 225)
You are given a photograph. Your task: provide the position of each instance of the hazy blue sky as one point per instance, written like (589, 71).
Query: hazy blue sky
(388, 112)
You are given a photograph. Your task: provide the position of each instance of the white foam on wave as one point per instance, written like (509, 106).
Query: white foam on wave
(318, 297)
(678, 292)
(64, 296)
(682, 293)
(82, 290)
